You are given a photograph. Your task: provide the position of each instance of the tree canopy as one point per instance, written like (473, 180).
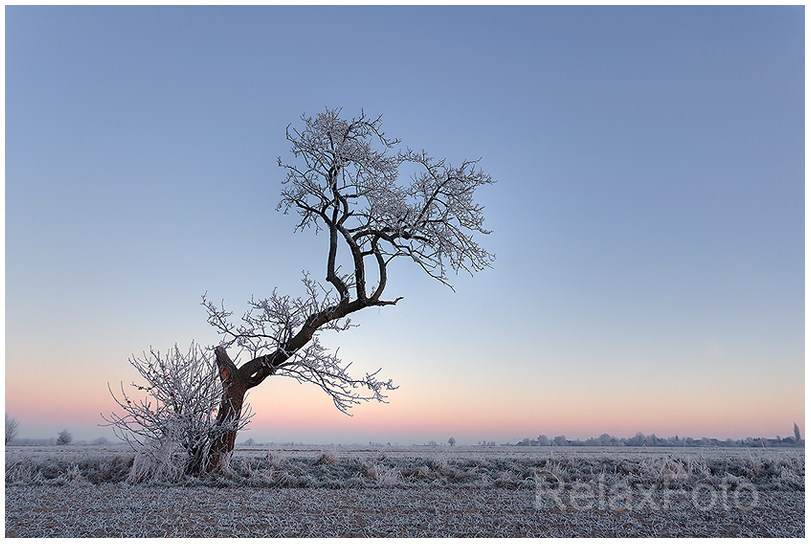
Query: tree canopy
(345, 181)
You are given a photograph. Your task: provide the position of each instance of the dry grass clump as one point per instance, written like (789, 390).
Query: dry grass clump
(385, 476)
(93, 469)
(328, 458)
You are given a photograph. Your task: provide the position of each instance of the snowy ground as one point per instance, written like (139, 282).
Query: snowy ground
(414, 491)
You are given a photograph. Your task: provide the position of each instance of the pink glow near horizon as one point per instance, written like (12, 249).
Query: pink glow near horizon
(289, 409)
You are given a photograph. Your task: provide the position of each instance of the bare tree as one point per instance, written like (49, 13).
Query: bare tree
(344, 181)
(12, 427)
(64, 438)
(452, 441)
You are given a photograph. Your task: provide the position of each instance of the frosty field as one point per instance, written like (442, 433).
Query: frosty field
(76, 491)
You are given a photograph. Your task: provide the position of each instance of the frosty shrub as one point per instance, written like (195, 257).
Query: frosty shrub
(173, 426)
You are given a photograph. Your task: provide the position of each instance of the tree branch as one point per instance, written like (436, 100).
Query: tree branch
(346, 183)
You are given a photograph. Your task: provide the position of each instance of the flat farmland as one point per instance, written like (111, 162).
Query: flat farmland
(346, 491)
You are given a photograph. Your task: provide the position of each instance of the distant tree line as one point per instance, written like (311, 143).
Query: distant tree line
(652, 440)
(63, 439)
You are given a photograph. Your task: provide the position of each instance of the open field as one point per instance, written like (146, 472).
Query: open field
(414, 491)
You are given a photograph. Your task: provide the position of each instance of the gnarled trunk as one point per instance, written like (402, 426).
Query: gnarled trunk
(233, 396)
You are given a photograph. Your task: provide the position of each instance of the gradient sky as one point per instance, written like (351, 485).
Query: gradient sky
(648, 222)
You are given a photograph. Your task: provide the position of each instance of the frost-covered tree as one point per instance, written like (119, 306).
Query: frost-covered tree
(11, 428)
(173, 426)
(64, 438)
(344, 180)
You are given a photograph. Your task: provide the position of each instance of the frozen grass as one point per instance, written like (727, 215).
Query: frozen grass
(417, 492)
(766, 470)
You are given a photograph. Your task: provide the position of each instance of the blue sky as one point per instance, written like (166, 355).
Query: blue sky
(648, 222)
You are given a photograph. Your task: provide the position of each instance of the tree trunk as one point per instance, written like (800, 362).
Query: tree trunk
(233, 396)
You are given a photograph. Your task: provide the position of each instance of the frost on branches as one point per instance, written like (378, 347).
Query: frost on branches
(343, 180)
(273, 322)
(349, 187)
(170, 420)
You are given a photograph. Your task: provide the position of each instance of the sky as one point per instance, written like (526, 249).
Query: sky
(648, 220)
